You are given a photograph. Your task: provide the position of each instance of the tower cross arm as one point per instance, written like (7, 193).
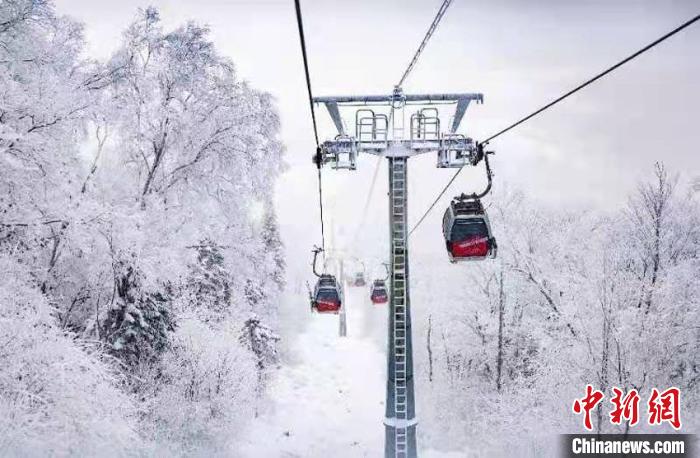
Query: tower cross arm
(386, 99)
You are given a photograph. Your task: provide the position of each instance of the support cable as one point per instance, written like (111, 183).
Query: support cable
(557, 100)
(595, 78)
(317, 157)
(429, 33)
(368, 201)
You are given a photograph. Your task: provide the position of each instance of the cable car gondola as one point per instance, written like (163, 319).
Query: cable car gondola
(359, 279)
(465, 224)
(467, 231)
(378, 293)
(327, 296)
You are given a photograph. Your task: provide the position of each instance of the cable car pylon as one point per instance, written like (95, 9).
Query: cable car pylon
(386, 136)
(372, 135)
(400, 420)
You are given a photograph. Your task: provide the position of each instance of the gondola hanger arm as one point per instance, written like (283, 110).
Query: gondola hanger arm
(481, 154)
(316, 251)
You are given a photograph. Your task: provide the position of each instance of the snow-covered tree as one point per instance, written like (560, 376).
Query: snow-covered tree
(573, 298)
(208, 383)
(273, 245)
(58, 396)
(185, 121)
(138, 324)
(209, 284)
(125, 196)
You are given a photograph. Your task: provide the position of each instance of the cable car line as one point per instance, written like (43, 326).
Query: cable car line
(489, 177)
(595, 78)
(442, 193)
(554, 102)
(327, 296)
(317, 157)
(368, 200)
(429, 33)
(320, 205)
(306, 67)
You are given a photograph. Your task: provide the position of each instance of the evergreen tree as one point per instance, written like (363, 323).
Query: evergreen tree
(273, 245)
(139, 324)
(210, 283)
(261, 340)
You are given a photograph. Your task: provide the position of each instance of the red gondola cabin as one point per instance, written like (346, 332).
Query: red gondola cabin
(379, 294)
(359, 279)
(467, 232)
(327, 295)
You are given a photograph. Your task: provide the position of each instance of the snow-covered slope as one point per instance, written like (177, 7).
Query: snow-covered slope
(328, 397)
(328, 401)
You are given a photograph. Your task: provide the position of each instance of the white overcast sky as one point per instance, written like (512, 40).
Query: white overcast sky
(588, 151)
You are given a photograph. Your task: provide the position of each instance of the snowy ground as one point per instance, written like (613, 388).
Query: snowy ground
(328, 401)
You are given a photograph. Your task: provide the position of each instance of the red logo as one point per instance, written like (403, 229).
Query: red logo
(665, 407)
(588, 403)
(627, 407)
(662, 406)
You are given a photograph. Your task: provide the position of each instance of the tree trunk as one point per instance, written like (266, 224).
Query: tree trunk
(430, 349)
(605, 358)
(501, 317)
